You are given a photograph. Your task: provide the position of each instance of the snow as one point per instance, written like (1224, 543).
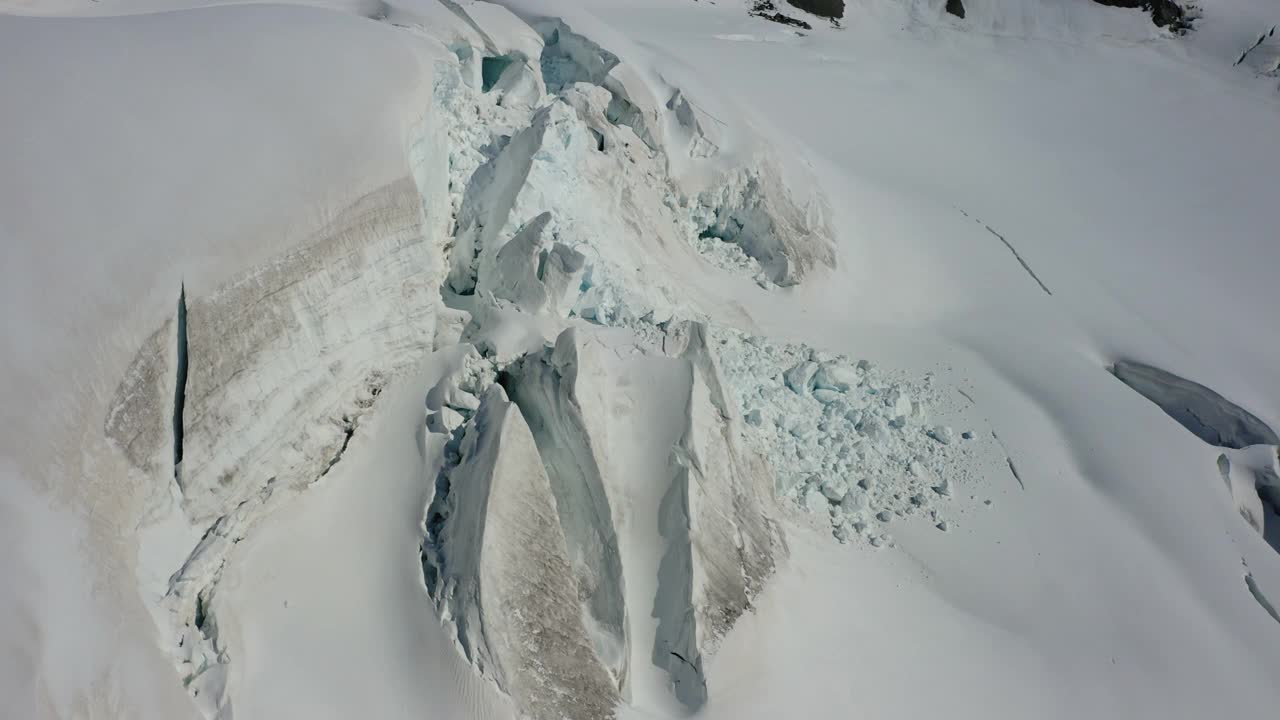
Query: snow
(124, 178)
(743, 230)
(319, 604)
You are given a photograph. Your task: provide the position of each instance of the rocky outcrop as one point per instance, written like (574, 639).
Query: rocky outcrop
(832, 9)
(1164, 13)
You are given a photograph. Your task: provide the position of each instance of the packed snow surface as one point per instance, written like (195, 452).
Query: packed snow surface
(607, 358)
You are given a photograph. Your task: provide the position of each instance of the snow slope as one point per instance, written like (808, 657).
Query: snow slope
(1115, 170)
(1001, 207)
(320, 601)
(128, 177)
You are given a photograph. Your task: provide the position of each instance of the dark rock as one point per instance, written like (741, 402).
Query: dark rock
(1164, 13)
(767, 10)
(831, 9)
(956, 7)
(1167, 12)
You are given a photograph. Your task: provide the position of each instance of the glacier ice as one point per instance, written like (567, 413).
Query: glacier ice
(1248, 463)
(846, 442)
(541, 240)
(1202, 411)
(707, 496)
(543, 388)
(503, 579)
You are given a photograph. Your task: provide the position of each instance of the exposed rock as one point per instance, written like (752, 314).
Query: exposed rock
(767, 10)
(1164, 13)
(831, 9)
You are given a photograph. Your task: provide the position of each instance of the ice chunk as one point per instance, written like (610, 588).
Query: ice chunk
(844, 532)
(702, 136)
(834, 376)
(835, 408)
(942, 434)
(562, 271)
(814, 501)
(855, 501)
(520, 84)
(834, 489)
(874, 429)
(444, 420)
(754, 208)
(898, 401)
(800, 377)
(515, 272)
(826, 396)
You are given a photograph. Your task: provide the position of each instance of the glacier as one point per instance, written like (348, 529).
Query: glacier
(612, 359)
(302, 346)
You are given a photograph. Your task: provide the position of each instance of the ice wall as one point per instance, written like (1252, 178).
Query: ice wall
(506, 584)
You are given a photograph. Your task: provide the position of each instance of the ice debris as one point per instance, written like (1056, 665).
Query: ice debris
(846, 440)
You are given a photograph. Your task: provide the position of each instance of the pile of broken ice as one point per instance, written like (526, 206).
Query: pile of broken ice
(844, 438)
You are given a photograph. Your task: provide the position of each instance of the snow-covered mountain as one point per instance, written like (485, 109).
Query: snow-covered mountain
(676, 358)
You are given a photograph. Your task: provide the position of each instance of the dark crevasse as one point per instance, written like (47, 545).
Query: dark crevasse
(1261, 599)
(180, 380)
(1208, 415)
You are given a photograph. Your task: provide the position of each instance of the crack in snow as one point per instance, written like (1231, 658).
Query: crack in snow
(1262, 600)
(180, 383)
(1012, 249)
(1020, 259)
